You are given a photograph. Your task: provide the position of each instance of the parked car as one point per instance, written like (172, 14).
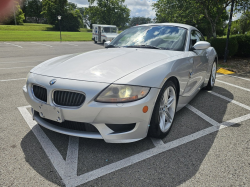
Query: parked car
(129, 90)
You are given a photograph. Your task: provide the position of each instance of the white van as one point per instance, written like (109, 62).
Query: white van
(104, 33)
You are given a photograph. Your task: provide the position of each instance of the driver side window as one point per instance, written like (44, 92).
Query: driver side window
(194, 38)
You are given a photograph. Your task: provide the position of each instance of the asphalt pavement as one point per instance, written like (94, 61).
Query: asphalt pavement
(209, 143)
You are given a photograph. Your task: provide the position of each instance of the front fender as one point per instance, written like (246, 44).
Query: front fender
(156, 74)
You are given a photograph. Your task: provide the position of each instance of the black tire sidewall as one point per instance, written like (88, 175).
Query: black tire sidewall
(154, 128)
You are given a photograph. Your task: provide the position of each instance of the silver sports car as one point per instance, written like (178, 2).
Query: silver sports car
(128, 90)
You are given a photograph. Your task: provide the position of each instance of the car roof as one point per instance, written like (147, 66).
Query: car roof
(189, 27)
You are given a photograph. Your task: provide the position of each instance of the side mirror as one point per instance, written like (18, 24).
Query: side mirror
(106, 44)
(201, 45)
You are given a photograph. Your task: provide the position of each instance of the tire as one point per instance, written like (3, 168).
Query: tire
(103, 41)
(212, 78)
(95, 41)
(161, 123)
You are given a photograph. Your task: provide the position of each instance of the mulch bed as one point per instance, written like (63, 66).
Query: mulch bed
(239, 65)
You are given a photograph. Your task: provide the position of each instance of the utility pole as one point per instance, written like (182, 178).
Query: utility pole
(228, 31)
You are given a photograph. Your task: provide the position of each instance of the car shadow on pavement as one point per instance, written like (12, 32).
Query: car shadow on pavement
(172, 167)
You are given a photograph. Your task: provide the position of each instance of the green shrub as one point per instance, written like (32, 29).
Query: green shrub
(244, 44)
(220, 44)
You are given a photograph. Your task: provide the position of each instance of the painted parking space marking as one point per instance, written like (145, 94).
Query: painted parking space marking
(202, 115)
(238, 77)
(72, 44)
(18, 67)
(49, 148)
(157, 142)
(69, 168)
(13, 45)
(72, 158)
(234, 85)
(41, 44)
(12, 80)
(230, 100)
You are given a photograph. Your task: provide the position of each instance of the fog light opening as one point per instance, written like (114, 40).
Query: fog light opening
(145, 109)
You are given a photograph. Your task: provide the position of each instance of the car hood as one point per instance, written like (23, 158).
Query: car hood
(106, 65)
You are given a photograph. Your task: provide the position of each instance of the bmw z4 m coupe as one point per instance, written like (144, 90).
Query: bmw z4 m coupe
(129, 90)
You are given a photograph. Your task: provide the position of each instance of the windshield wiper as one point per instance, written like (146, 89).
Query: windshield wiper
(112, 46)
(145, 46)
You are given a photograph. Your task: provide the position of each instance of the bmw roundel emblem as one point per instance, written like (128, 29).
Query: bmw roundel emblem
(53, 81)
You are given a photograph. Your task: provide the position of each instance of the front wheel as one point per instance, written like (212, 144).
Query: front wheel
(164, 111)
(212, 78)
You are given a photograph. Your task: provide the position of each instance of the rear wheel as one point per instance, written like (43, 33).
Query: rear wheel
(164, 111)
(212, 78)
(95, 41)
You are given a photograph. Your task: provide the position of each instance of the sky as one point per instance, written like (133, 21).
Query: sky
(141, 8)
(138, 7)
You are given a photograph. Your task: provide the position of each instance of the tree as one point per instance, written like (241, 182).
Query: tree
(244, 22)
(34, 9)
(110, 12)
(71, 17)
(91, 15)
(139, 20)
(194, 10)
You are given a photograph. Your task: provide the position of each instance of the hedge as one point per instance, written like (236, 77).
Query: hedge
(244, 44)
(220, 43)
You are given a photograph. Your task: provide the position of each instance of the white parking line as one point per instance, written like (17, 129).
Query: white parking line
(49, 148)
(67, 170)
(41, 44)
(19, 67)
(149, 153)
(202, 115)
(13, 45)
(157, 142)
(72, 158)
(234, 85)
(12, 80)
(239, 77)
(219, 76)
(230, 100)
(72, 44)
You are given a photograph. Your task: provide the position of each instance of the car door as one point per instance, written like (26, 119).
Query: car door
(199, 60)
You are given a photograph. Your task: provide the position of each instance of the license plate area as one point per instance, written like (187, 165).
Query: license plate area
(50, 112)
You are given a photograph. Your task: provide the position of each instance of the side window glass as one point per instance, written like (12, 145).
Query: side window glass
(200, 36)
(194, 38)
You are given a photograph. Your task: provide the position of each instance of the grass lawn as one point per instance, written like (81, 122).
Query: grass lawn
(27, 27)
(44, 36)
(40, 32)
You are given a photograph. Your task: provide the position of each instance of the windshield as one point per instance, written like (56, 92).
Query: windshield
(162, 37)
(109, 29)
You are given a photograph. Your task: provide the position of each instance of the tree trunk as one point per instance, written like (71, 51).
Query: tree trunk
(213, 26)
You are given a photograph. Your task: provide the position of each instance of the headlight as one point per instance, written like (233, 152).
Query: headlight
(122, 93)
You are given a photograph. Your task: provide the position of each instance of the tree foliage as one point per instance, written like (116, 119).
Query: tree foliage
(34, 9)
(194, 11)
(244, 22)
(71, 18)
(110, 12)
(139, 20)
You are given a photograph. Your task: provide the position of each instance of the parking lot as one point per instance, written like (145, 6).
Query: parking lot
(209, 144)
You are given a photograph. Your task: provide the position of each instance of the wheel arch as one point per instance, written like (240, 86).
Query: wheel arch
(177, 84)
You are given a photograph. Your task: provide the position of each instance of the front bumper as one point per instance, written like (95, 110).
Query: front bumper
(97, 114)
